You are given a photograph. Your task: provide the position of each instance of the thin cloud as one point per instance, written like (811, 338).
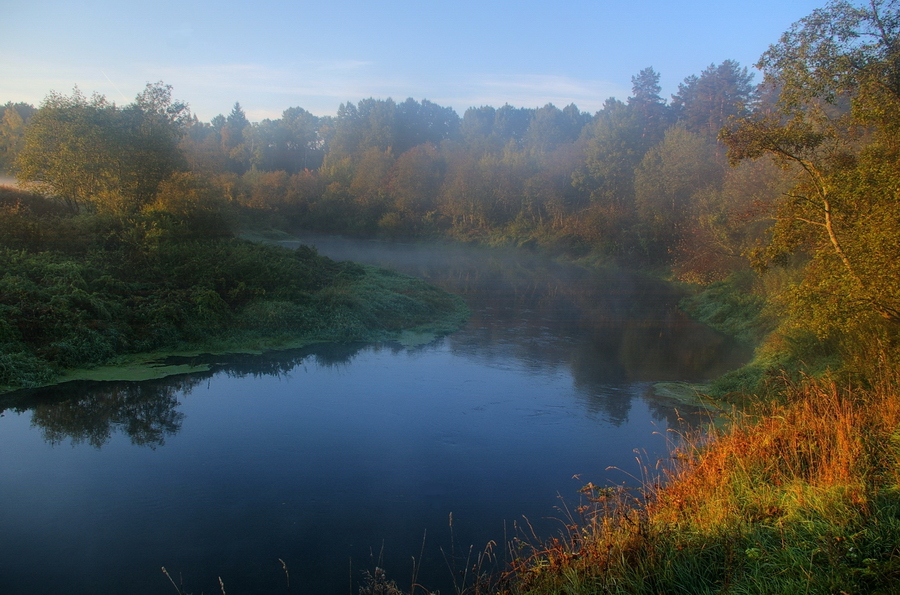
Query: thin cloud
(342, 65)
(318, 86)
(536, 90)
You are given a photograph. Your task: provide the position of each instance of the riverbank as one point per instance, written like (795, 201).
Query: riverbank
(802, 496)
(94, 313)
(798, 492)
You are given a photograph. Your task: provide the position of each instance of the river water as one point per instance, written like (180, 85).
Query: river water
(330, 460)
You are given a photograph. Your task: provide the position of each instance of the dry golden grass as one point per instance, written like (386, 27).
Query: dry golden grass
(801, 496)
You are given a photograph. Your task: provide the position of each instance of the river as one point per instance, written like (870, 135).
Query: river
(294, 472)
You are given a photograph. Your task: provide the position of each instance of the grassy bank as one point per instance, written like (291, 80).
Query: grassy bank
(85, 296)
(798, 497)
(797, 492)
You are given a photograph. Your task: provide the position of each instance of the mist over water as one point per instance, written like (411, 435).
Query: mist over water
(337, 457)
(607, 325)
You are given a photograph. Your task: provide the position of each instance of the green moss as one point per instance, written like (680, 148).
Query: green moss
(139, 370)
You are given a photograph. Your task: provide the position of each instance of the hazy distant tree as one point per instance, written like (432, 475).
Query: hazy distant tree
(477, 128)
(218, 123)
(232, 130)
(728, 221)
(425, 122)
(345, 132)
(231, 134)
(485, 129)
(155, 124)
(13, 119)
(370, 123)
(290, 143)
(369, 186)
(187, 205)
(461, 196)
(502, 179)
(511, 123)
(548, 195)
(615, 143)
(378, 121)
(551, 127)
(202, 147)
(668, 181)
(415, 181)
(650, 109)
(645, 87)
(705, 103)
(303, 145)
(615, 146)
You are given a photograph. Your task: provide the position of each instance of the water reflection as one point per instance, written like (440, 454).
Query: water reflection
(274, 363)
(90, 413)
(604, 328)
(84, 412)
(607, 325)
(322, 456)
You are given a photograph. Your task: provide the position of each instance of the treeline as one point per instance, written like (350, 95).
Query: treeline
(644, 181)
(127, 251)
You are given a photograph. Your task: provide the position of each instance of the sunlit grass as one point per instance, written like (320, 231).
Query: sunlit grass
(799, 497)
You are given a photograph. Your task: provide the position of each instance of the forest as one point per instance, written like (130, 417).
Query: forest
(774, 204)
(777, 195)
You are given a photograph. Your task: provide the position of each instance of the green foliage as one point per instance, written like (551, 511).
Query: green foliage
(188, 206)
(835, 130)
(704, 104)
(159, 281)
(668, 182)
(90, 152)
(13, 119)
(734, 306)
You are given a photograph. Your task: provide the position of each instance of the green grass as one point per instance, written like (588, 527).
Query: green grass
(735, 307)
(63, 312)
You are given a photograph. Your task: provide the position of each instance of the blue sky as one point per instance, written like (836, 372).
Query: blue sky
(271, 55)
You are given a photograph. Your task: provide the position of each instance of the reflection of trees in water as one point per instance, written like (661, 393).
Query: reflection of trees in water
(609, 327)
(273, 363)
(147, 412)
(91, 413)
(540, 311)
(611, 403)
(612, 326)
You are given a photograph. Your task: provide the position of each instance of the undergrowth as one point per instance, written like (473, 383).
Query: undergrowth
(111, 295)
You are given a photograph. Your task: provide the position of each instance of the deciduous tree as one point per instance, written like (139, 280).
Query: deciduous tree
(89, 151)
(838, 72)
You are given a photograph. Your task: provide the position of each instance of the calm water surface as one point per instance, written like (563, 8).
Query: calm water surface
(337, 458)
